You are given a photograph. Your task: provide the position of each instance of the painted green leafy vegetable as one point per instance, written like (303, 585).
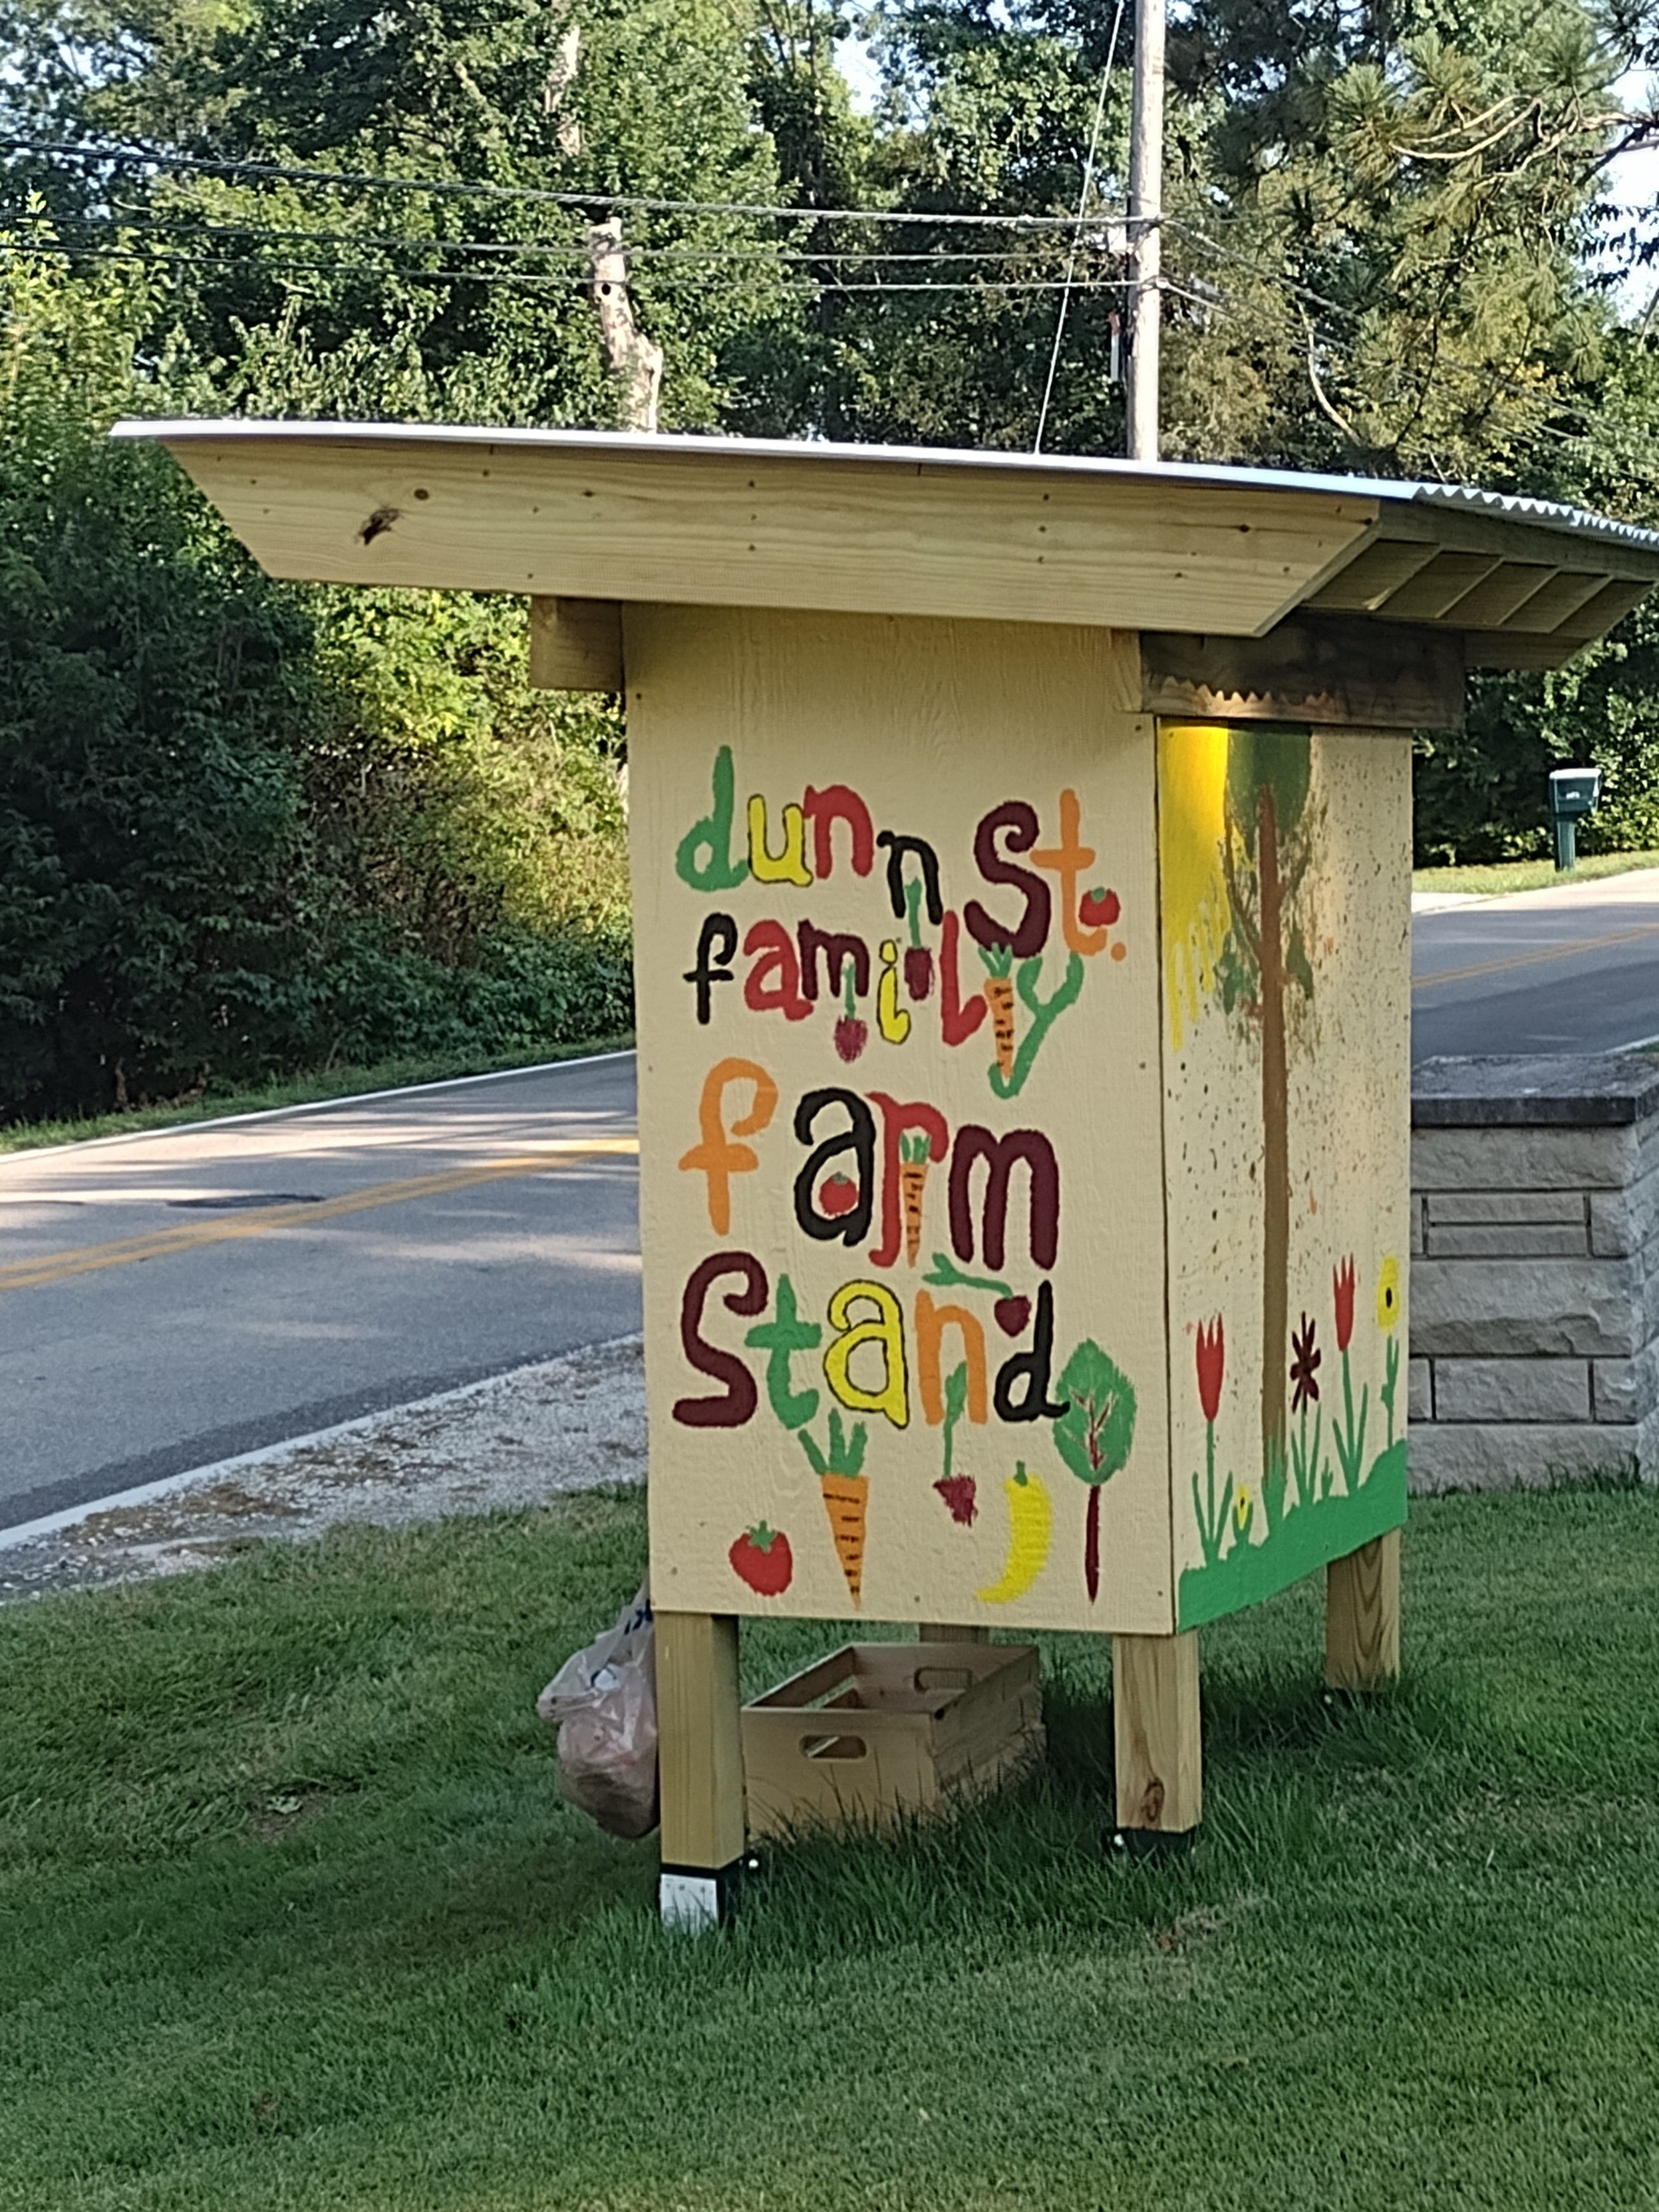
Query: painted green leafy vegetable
(846, 1452)
(1094, 1434)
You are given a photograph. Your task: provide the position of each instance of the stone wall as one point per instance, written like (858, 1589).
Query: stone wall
(1534, 1300)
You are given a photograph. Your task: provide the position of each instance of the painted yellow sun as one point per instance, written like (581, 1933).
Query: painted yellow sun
(1192, 790)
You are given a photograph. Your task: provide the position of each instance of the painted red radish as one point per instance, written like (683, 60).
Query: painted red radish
(958, 1492)
(851, 1034)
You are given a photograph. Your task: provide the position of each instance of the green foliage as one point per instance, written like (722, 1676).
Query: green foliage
(1261, 759)
(845, 1454)
(1380, 235)
(1483, 793)
(243, 828)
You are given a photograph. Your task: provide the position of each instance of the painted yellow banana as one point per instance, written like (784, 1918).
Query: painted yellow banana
(1030, 1531)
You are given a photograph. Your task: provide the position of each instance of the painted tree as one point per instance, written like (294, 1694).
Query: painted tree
(1237, 833)
(1093, 1436)
(1267, 845)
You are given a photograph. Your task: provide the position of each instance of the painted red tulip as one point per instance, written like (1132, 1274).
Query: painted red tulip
(1342, 1289)
(918, 971)
(1212, 1362)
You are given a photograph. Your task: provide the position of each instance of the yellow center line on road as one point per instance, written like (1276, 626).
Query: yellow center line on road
(1567, 951)
(88, 1259)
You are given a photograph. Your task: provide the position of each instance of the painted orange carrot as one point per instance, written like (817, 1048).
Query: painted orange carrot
(846, 1494)
(913, 1175)
(999, 998)
(847, 1501)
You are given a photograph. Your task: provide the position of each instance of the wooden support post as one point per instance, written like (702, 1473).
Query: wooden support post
(1362, 1616)
(700, 1762)
(1158, 1740)
(945, 1631)
(575, 645)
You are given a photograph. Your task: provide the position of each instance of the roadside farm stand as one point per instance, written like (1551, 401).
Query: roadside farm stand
(1021, 854)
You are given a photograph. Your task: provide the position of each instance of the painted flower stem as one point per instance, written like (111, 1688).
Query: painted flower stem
(1390, 1381)
(1348, 1435)
(1210, 1515)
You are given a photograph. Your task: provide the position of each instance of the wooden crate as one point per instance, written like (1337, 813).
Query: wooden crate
(879, 1732)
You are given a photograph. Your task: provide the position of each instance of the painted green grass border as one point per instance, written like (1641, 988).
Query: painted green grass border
(293, 1917)
(314, 1088)
(1500, 877)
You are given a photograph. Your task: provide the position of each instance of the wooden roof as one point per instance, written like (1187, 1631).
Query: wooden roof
(1162, 546)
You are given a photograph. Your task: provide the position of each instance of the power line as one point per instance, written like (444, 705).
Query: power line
(249, 264)
(441, 187)
(136, 220)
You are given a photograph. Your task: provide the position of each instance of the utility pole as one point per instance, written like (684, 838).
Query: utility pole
(1146, 242)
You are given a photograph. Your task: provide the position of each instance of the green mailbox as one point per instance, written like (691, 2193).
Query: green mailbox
(1573, 792)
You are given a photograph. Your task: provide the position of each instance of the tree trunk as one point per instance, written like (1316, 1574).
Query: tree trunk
(636, 362)
(1275, 1139)
(556, 90)
(1091, 1544)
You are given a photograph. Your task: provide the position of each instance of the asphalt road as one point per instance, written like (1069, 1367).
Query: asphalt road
(169, 1301)
(1575, 970)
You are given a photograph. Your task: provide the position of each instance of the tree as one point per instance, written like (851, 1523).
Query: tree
(150, 678)
(469, 302)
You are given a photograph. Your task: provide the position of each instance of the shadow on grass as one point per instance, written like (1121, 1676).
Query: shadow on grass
(1282, 1756)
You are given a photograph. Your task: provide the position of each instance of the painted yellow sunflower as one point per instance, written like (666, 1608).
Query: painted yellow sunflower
(1388, 1294)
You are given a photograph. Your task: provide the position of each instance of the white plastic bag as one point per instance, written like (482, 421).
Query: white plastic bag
(604, 1702)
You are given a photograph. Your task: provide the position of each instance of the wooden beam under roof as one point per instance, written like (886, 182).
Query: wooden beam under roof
(1339, 671)
(1562, 596)
(1503, 598)
(1366, 582)
(1609, 601)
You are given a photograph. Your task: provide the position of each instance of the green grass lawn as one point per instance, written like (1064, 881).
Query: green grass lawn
(293, 1919)
(1528, 875)
(312, 1089)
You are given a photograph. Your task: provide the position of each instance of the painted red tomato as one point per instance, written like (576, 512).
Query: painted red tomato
(1101, 908)
(838, 1194)
(761, 1558)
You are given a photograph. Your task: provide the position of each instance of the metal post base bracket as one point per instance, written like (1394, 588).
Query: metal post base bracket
(1148, 1846)
(693, 1901)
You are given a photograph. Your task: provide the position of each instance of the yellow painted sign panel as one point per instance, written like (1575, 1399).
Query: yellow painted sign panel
(987, 1187)
(902, 1179)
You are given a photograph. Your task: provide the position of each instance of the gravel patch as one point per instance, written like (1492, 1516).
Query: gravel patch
(574, 1422)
